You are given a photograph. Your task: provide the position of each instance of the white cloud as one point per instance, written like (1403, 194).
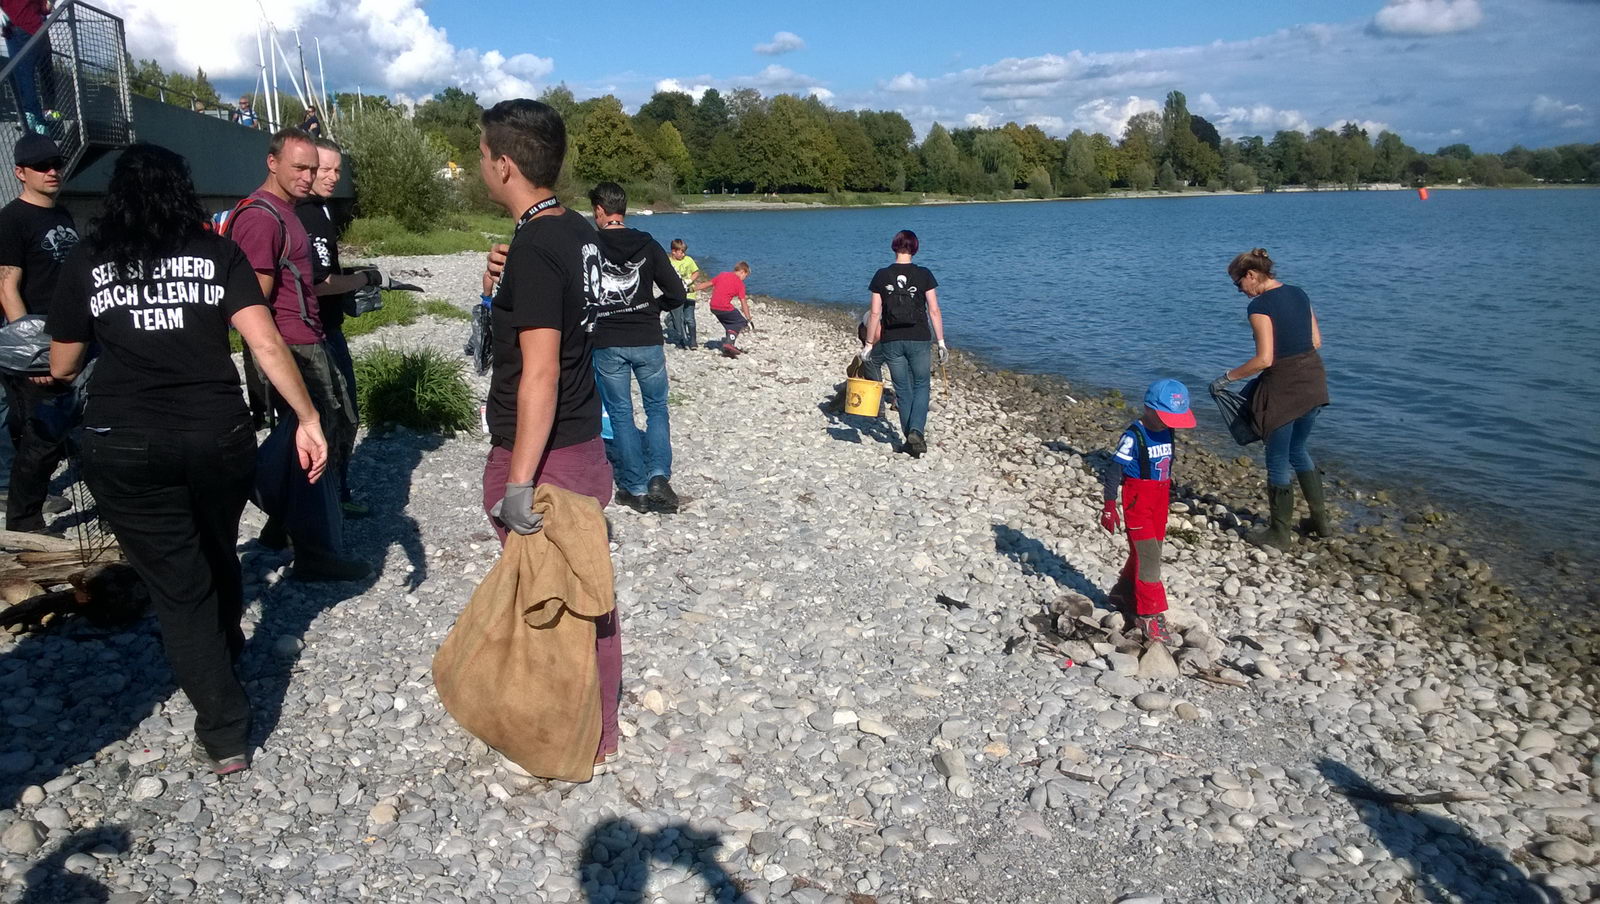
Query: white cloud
(782, 42)
(389, 46)
(777, 79)
(981, 120)
(672, 84)
(1550, 111)
(1252, 119)
(820, 93)
(1052, 125)
(1109, 115)
(904, 83)
(1425, 18)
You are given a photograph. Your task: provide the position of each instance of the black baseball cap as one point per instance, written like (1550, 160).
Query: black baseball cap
(35, 148)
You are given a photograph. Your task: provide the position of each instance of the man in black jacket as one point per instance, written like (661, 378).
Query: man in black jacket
(627, 346)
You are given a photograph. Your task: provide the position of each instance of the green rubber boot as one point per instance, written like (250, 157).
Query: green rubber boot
(1319, 524)
(1280, 505)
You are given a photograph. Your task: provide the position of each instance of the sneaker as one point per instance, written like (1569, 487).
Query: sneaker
(660, 495)
(915, 444)
(731, 351)
(309, 566)
(354, 509)
(227, 765)
(1154, 628)
(623, 497)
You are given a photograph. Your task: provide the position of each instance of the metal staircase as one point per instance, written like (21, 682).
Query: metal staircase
(82, 87)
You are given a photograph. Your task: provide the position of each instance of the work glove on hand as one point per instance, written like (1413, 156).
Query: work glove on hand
(944, 353)
(1220, 383)
(374, 276)
(1110, 518)
(516, 512)
(866, 352)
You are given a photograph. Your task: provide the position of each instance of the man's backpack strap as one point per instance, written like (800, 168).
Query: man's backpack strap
(284, 263)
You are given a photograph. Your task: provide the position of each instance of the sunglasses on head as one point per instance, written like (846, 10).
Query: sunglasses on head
(45, 166)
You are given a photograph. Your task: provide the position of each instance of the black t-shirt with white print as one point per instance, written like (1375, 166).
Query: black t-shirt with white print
(324, 236)
(914, 281)
(163, 334)
(37, 239)
(551, 281)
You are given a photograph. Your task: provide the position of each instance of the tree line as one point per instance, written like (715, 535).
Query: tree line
(745, 142)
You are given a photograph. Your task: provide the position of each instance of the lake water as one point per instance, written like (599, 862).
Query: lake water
(1460, 333)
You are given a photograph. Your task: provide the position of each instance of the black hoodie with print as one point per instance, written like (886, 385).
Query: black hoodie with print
(629, 312)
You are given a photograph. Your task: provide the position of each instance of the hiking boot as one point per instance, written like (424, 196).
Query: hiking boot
(1154, 628)
(915, 444)
(55, 505)
(313, 566)
(1319, 524)
(660, 495)
(623, 497)
(1280, 506)
(353, 509)
(274, 536)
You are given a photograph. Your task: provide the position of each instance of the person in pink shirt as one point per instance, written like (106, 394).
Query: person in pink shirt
(725, 287)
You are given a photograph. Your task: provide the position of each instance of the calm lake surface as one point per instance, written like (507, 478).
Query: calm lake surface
(1460, 333)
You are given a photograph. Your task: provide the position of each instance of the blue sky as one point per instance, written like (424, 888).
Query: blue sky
(1488, 72)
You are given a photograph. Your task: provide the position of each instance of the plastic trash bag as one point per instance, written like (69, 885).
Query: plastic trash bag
(480, 339)
(25, 346)
(1235, 408)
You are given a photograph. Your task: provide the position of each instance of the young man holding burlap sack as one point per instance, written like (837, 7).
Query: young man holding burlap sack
(544, 427)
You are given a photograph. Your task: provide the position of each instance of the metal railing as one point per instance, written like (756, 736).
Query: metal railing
(80, 97)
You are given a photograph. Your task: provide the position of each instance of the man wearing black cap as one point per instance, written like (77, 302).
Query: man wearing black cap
(35, 236)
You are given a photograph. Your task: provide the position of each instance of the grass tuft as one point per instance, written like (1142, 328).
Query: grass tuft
(425, 390)
(452, 233)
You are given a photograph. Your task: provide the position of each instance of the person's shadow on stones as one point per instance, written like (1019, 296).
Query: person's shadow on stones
(617, 858)
(60, 877)
(1451, 865)
(1037, 558)
(382, 475)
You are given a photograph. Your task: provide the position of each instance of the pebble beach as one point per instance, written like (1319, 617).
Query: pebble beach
(850, 677)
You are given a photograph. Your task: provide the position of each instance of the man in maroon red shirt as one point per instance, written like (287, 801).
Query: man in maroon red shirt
(273, 238)
(21, 20)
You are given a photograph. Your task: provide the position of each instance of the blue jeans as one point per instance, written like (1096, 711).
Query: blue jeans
(910, 362)
(25, 77)
(1286, 450)
(637, 457)
(681, 328)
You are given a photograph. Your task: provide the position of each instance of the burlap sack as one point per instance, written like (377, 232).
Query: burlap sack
(518, 668)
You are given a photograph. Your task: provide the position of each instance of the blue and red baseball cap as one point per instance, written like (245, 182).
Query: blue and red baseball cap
(1169, 399)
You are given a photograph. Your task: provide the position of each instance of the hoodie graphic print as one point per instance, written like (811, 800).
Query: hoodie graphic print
(637, 283)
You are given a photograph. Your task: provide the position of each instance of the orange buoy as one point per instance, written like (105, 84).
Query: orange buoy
(1422, 194)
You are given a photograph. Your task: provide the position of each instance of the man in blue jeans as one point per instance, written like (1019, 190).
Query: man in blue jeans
(627, 346)
(20, 20)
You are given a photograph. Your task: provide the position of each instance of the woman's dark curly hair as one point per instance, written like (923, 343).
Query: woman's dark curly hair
(151, 208)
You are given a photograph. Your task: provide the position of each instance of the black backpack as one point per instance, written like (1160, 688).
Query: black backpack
(902, 308)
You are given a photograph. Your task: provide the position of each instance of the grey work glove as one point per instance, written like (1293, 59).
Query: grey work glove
(944, 353)
(515, 510)
(374, 277)
(1220, 383)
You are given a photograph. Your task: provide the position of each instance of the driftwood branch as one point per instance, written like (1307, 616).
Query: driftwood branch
(16, 539)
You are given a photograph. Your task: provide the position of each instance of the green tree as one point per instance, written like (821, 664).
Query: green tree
(671, 150)
(1241, 177)
(1141, 141)
(1353, 156)
(863, 171)
(666, 106)
(1039, 184)
(744, 101)
(1168, 180)
(454, 116)
(1141, 176)
(1000, 157)
(1205, 132)
(1487, 169)
(608, 148)
(562, 100)
(1180, 147)
(1461, 152)
(1080, 168)
(1320, 163)
(1288, 150)
(891, 135)
(1390, 157)
(941, 160)
(710, 119)
(396, 170)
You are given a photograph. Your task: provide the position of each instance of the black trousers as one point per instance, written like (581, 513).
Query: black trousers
(173, 498)
(39, 452)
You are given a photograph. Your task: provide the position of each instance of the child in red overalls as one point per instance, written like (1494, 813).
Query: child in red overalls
(1142, 467)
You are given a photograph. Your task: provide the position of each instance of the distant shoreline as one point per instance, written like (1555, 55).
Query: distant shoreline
(753, 202)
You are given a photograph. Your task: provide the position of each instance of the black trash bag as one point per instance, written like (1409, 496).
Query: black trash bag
(364, 300)
(480, 339)
(25, 346)
(1235, 408)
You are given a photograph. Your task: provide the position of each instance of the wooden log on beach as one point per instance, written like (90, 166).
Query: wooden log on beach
(16, 539)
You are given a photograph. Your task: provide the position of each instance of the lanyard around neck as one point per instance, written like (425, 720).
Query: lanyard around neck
(537, 209)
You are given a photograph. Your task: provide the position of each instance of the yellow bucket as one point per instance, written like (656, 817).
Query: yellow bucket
(862, 397)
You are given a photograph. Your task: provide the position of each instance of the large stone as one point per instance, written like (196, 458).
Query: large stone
(1424, 700)
(1157, 663)
(1537, 741)
(24, 837)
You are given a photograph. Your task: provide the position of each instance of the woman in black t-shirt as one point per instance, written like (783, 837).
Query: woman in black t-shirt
(168, 447)
(1285, 400)
(903, 320)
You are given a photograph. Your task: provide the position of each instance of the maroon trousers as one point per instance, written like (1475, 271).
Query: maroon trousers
(580, 468)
